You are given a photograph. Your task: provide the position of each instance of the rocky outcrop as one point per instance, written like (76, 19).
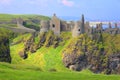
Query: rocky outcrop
(75, 62)
(23, 54)
(84, 53)
(4, 48)
(48, 39)
(44, 39)
(114, 64)
(28, 46)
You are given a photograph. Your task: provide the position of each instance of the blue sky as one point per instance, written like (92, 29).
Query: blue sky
(92, 9)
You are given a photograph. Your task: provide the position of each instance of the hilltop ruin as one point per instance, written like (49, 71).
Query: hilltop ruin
(79, 27)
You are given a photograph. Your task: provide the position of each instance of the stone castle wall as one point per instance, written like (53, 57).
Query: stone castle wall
(44, 26)
(77, 28)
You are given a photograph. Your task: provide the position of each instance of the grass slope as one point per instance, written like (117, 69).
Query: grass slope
(9, 17)
(31, 20)
(9, 72)
(47, 58)
(45, 64)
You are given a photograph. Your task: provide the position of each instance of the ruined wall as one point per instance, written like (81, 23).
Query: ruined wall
(44, 26)
(64, 26)
(77, 29)
(55, 25)
(87, 27)
(19, 22)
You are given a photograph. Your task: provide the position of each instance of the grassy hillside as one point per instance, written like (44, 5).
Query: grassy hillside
(47, 58)
(30, 20)
(46, 63)
(9, 17)
(16, 72)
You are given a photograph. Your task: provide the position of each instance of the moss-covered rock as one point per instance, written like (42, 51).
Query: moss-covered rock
(84, 52)
(99, 54)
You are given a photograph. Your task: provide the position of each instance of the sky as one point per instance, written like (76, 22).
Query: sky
(92, 9)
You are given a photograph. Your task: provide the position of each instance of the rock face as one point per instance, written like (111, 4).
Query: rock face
(84, 53)
(114, 64)
(4, 49)
(46, 39)
(23, 54)
(28, 46)
(75, 62)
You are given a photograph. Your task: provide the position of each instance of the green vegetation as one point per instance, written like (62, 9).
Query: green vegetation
(111, 43)
(46, 58)
(18, 72)
(30, 21)
(4, 45)
(46, 63)
(8, 17)
(4, 33)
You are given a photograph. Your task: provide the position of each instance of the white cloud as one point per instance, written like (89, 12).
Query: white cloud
(68, 3)
(5, 2)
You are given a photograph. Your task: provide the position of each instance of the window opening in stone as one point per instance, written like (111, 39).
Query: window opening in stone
(53, 26)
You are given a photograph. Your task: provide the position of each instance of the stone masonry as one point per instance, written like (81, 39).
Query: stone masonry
(77, 27)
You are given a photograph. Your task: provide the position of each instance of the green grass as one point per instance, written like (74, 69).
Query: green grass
(8, 72)
(30, 20)
(21, 37)
(47, 58)
(15, 49)
(8, 17)
(45, 64)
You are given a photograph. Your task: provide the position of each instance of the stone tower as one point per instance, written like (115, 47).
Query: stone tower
(99, 28)
(44, 26)
(87, 27)
(82, 24)
(110, 26)
(77, 29)
(116, 26)
(55, 25)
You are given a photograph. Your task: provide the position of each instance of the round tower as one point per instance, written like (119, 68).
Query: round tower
(44, 26)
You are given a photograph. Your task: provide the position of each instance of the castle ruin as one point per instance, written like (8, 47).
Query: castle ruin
(79, 27)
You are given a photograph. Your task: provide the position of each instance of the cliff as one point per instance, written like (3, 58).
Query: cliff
(100, 54)
(4, 46)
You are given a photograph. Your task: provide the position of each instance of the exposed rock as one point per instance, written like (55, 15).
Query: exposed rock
(114, 64)
(75, 61)
(42, 40)
(82, 53)
(4, 50)
(49, 41)
(23, 54)
(33, 48)
(28, 43)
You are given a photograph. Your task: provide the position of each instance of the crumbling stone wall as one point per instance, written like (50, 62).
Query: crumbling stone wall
(44, 26)
(55, 25)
